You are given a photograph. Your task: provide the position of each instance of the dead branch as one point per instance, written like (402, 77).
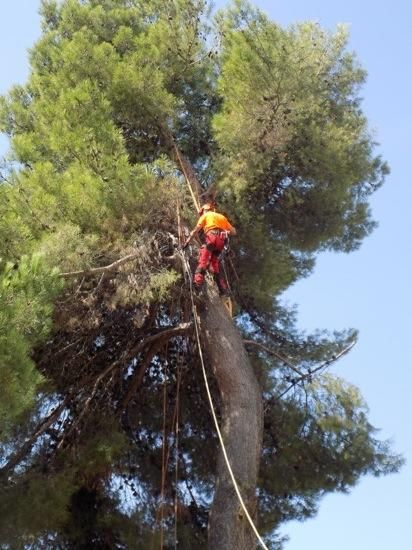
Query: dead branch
(103, 269)
(323, 365)
(274, 353)
(44, 425)
(138, 376)
(330, 361)
(158, 338)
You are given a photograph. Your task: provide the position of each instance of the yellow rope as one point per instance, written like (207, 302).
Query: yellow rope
(222, 444)
(178, 381)
(195, 200)
(164, 460)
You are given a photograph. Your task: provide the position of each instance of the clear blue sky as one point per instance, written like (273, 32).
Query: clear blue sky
(369, 289)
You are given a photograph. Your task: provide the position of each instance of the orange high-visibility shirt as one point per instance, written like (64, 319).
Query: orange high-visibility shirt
(214, 220)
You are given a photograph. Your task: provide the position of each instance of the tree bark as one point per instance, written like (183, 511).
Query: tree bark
(241, 427)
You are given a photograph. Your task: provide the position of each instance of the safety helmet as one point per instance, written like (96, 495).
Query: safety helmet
(206, 206)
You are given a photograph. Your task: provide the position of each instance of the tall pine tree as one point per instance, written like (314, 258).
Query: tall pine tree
(131, 109)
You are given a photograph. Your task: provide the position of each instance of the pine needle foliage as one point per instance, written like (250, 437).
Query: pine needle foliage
(95, 311)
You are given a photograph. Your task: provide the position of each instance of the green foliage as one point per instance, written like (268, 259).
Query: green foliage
(334, 444)
(272, 117)
(152, 287)
(104, 446)
(297, 154)
(27, 292)
(68, 249)
(49, 495)
(71, 501)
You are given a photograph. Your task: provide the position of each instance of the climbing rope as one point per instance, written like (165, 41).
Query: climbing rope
(177, 408)
(195, 198)
(164, 459)
(212, 408)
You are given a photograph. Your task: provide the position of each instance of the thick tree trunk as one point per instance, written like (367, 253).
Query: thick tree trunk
(242, 409)
(241, 427)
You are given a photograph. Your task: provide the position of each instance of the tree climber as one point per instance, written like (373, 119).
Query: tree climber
(216, 228)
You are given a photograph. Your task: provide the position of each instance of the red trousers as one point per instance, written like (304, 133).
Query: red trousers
(209, 260)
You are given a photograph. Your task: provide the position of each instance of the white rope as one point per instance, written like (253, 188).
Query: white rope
(235, 485)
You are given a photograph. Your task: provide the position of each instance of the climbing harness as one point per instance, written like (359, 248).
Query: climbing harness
(210, 256)
(222, 444)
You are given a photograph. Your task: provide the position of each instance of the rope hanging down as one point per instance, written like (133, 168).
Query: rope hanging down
(182, 166)
(222, 444)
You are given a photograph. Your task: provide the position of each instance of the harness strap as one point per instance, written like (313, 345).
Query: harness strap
(220, 232)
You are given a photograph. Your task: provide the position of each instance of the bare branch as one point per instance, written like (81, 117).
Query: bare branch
(103, 269)
(323, 365)
(138, 376)
(329, 362)
(155, 341)
(167, 333)
(274, 353)
(19, 455)
(161, 336)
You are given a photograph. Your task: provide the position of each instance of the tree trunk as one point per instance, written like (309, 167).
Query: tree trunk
(242, 408)
(241, 427)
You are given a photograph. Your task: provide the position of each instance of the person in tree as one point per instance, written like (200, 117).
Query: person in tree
(216, 228)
